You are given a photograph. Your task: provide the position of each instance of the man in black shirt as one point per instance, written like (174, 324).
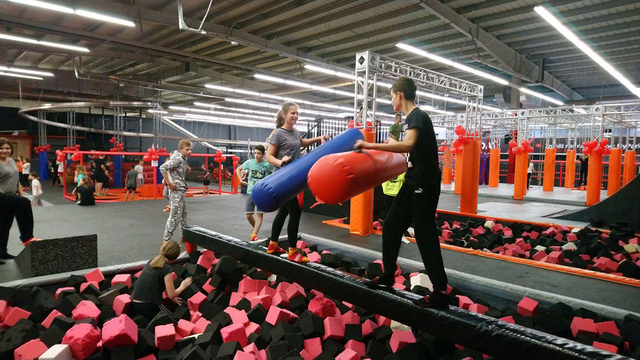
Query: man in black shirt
(418, 198)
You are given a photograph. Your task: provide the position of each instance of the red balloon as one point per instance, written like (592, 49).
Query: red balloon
(607, 151)
(218, 153)
(154, 157)
(529, 149)
(459, 130)
(516, 150)
(112, 140)
(146, 158)
(586, 150)
(604, 142)
(58, 152)
(593, 143)
(525, 143)
(513, 144)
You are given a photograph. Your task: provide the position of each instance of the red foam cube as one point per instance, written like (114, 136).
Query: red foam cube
(350, 317)
(234, 332)
(508, 319)
(333, 328)
(294, 290)
(205, 261)
(54, 314)
(121, 304)
(148, 357)
(122, 279)
(237, 316)
(86, 285)
(207, 287)
(30, 350)
(119, 331)
(583, 326)
(241, 355)
(200, 326)
(400, 339)
(83, 340)
(313, 346)
(447, 234)
(184, 327)
(252, 328)
(605, 347)
(478, 308)
(95, 275)
(165, 337)
(368, 327)
(194, 301)
(528, 307)
(15, 315)
(323, 307)
(608, 326)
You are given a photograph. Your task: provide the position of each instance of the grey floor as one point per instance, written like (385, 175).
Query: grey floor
(129, 232)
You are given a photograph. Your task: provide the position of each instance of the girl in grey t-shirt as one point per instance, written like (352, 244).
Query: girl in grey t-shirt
(284, 147)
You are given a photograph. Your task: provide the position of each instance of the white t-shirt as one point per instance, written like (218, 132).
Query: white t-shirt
(61, 167)
(26, 168)
(140, 171)
(530, 170)
(36, 188)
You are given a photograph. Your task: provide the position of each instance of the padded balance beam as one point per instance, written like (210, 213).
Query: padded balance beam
(479, 332)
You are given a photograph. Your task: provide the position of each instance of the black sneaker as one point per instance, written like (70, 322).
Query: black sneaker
(436, 300)
(7, 256)
(379, 281)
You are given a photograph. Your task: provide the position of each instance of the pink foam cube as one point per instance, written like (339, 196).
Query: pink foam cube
(264, 300)
(64, 289)
(122, 279)
(555, 257)
(194, 301)
(207, 287)
(121, 304)
(119, 331)
(234, 332)
(252, 328)
(382, 320)
(323, 307)
(333, 328)
(30, 350)
(350, 318)
(464, 302)
(241, 355)
(534, 235)
(348, 354)
(148, 357)
(313, 346)
(277, 314)
(95, 275)
(15, 315)
(165, 337)
(86, 284)
(83, 340)
(400, 339)
(314, 257)
(368, 327)
(205, 261)
(200, 326)
(608, 326)
(478, 308)
(237, 316)
(447, 234)
(301, 244)
(508, 319)
(528, 307)
(294, 290)
(184, 327)
(54, 314)
(281, 299)
(356, 346)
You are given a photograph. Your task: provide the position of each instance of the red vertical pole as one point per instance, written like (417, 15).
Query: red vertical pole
(220, 178)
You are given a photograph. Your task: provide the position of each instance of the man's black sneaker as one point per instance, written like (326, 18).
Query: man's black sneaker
(436, 300)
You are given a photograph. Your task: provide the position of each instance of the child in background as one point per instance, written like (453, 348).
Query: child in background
(85, 193)
(36, 189)
(206, 180)
(140, 169)
(26, 171)
(132, 181)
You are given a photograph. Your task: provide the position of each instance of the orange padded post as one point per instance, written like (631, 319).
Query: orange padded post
(549, 174)
(615, 164)
(629, 166)
(494, 167)
(446, 175)
(570, 178)
(458, 180)
(520, 176)
(361, 212)
(470, 175)
(594, 178)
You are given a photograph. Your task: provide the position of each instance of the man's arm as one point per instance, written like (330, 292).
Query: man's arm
(239, 175)
(404, 146)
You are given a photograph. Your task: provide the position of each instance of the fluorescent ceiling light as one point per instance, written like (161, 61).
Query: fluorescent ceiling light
(269, 115)
(20, 76)
(275, 97)
(330, 72)
(454, 64)
(68, 10)
(238, 150)
(303, 85)
(228, 121)
(224, 113)
(432, 109)
(43, 43)
(537, 94)
(473, 71)
(25, 71)
(157, 111)
(542, 11)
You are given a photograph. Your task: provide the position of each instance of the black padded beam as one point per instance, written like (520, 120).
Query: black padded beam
(482, 333)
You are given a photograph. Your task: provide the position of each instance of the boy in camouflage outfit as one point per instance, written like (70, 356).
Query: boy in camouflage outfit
(174, 172)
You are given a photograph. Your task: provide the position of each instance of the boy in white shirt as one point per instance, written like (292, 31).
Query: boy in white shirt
(140, 169)
(36, 189)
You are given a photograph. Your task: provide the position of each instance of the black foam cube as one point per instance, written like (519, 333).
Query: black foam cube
(332, 346)
(53, 335)
(123, 353)
(276, 350)
(352, 332)
(146, 343)
(229, 349)
(257, 314)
